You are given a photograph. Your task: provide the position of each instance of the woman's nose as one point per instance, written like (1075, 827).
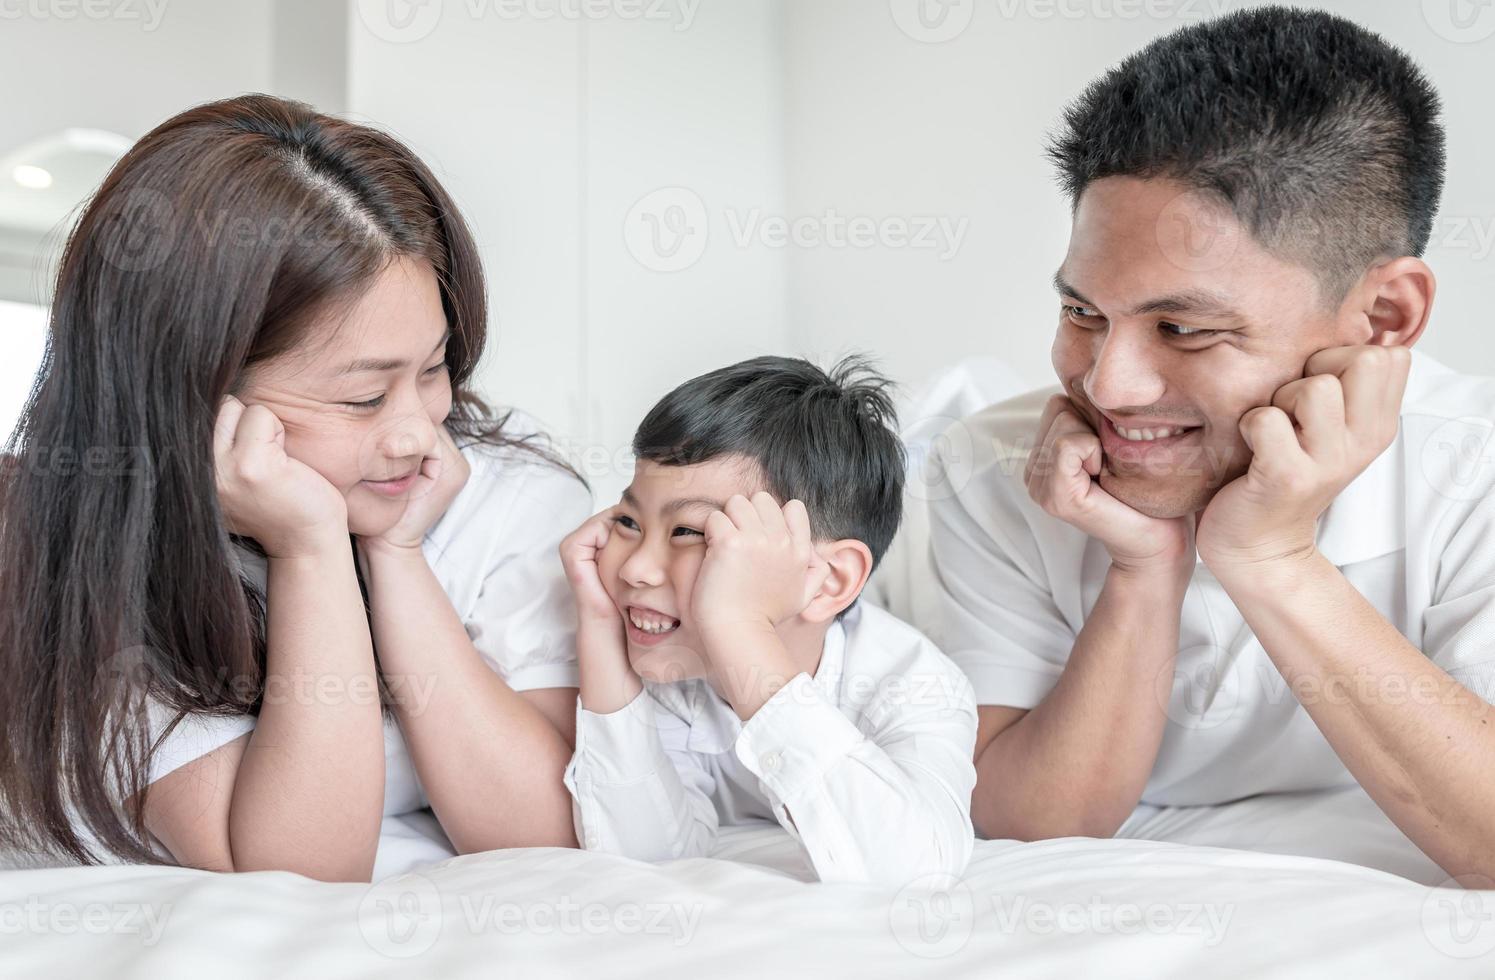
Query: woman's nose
(412, 434)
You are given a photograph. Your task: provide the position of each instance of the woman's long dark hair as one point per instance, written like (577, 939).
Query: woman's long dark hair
(209, 247)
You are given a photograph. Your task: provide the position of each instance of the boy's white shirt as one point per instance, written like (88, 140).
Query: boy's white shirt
(495, 554)
(868, 764)
(1414, 533)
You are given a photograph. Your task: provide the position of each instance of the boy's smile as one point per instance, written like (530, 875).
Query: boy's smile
(651, 559)
(648, 627)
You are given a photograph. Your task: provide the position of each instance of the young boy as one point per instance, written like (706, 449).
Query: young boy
(728, 673)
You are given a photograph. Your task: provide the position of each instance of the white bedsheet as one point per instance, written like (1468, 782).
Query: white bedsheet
(1057, 908)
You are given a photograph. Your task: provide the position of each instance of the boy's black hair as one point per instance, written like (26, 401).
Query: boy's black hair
(827, 439)
(1322, 137)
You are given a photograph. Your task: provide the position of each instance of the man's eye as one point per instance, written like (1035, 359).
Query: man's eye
(1082, 315)
(623, 520)
(1178, 330)
(372, 403)
(685, 532)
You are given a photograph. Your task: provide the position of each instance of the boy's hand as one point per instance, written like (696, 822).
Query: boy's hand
(761, 565)
(579, 558)
(608, 682)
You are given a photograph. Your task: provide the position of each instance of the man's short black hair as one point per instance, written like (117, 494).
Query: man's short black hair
(825, 438)
(1322, 137)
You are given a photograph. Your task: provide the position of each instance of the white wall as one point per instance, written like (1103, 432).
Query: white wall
(548, 130)
(668, 186)
(116, 67)
(23, 327)
(949, 118)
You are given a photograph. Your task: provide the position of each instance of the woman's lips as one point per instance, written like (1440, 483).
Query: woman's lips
(392, 488)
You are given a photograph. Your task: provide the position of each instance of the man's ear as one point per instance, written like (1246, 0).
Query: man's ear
(850, 564)
(1392, 304)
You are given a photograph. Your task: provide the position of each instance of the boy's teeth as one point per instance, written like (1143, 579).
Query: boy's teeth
(651, 624)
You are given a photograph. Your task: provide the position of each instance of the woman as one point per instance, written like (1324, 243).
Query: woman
(269, 570)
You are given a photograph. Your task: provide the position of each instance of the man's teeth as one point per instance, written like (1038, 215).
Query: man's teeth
(650, 623)
(1148, 435)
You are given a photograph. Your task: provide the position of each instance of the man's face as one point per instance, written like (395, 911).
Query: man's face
(1173, 324)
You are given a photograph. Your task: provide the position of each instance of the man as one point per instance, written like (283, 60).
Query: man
(1228, 558)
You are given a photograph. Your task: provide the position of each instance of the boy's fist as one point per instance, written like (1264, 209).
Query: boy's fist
(761, 565)
(579, 557)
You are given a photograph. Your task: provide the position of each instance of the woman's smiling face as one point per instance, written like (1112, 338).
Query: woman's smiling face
(362, 397)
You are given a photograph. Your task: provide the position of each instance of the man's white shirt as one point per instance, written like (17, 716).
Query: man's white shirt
(1414, 534)
(868, 764)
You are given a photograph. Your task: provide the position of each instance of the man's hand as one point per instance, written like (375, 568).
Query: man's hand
(761, 566)
(1319, 433)
(1062, 478)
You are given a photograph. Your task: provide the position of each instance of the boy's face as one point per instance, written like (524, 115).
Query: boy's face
(654, 552)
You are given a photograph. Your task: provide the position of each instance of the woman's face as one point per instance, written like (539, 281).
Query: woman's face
(362, 397)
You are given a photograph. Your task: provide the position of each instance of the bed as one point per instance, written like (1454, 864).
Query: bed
(1066, 907)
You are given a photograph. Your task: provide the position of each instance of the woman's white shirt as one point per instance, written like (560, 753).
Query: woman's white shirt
(495, 553)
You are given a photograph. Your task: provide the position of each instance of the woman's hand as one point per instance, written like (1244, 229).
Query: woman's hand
(285, 505)
(442, 476)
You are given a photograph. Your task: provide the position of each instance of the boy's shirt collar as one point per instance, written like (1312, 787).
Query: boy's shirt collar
(714, 726)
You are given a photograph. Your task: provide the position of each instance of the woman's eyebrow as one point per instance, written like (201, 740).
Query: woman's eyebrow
(386, 364)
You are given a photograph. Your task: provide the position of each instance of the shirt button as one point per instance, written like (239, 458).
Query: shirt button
(592, 840)
(771, 761)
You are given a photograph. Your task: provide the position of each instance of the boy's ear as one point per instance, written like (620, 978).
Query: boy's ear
(850, 564)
